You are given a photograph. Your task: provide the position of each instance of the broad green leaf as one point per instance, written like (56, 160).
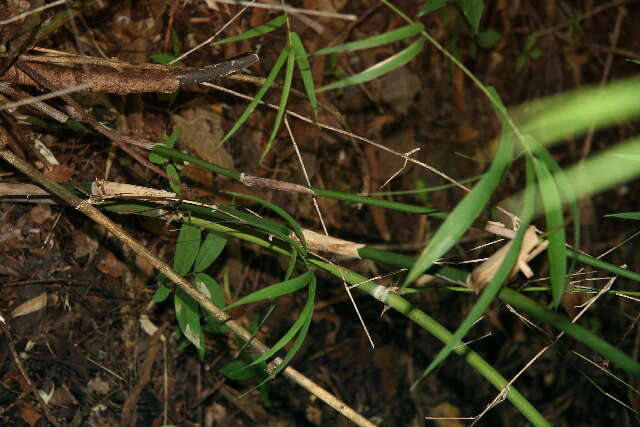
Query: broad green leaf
(555, 224)
(489, 38)
(161, 294)
(282, 106)
(209, 287)
(211, 248)
(186, 248)
(431, 6)
(381, 68)
(473, 12)
(171, 170)
(625, 215)
(188, 315)
(466, 212)
(272, 25)
(263, 89)
(305, 72)
(492, 289)
(377, 40)
(273, 291)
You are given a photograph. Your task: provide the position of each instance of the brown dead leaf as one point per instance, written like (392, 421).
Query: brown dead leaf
(446, 410)
(60, 173)
(29, 414)
(41, 213)
(112, 266)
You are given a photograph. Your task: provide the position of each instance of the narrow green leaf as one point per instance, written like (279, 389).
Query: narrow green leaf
(263, 89)
(162, 58)
(492, 289)
(295, 225)
(635, 61)
(272, 25)
(600, 346)
(208, 286)
(431, 6)
(211, 248)
(302, 320)
(555, 225)
(307, 315)
(625, 215)
(236, 370)
(377, 40)
(282, 106)
(305, 72)
(473, 12)
(273, 291)
(466, 212)
(186, 248)
(381, 68)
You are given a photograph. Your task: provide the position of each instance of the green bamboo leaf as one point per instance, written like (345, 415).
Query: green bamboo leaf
(168, 142)
(431, 6)
(555, 224)
(567, 115)
(172, 171)
(466, 212)
(301, 321)
(276, 290)
(600, 346)
(188, 316)
(282, 106)
(263, 89)
(377, 40)
(272, 25)
(305, 72)
(186, 248)
(209, 287)
(307, 315)
(625, 215)
(236, 370)
(295, 225)
(492, 289)
(211, 248)
(381, 68)
(472, 10)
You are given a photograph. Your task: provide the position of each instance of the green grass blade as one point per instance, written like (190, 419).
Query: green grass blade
(466, 212)
(625, 215)
(210, 250)
(186, 248)
(301, 321)
(431, 6)
(295, 225)
(307, 315)
(282, 106)
(305, 72)
(555, 225)
(377, 40)
(381, 68)
(574, 330)
(272, 25)
(276, 290)
(263, 89)
(502, 275)
(558, 117)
